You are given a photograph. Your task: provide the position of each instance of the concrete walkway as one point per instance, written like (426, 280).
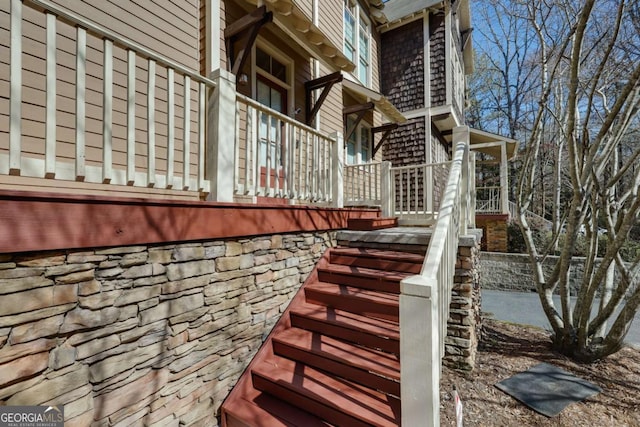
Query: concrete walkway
(524, 308)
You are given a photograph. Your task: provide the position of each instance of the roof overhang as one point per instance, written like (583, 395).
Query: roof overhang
(464, 11)
(382, 104)
(398, 11)
(295, 23)
(491, 144)
(401, 12)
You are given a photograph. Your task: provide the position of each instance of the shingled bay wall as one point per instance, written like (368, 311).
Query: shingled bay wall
(149, 335)
(402, 81)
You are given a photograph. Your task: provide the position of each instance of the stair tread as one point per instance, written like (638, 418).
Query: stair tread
(357, 401)
(368, 224)
(381, 297)
(378, 254)
(256, 408)
(364, 272)
(379, 362)
(381, 327)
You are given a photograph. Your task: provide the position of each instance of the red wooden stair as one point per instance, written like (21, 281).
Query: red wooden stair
(333, 358)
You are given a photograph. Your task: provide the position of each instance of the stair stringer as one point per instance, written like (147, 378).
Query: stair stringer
(244, 385)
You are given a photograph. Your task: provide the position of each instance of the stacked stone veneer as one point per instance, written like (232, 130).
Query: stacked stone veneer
(465, 321)
(143, 335)
(513, 272)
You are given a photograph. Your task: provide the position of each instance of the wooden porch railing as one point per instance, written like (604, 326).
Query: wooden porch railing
(417, 191)
(276, 156)
(425, 298)
(488, 200)
(109, 133)
(363, 184)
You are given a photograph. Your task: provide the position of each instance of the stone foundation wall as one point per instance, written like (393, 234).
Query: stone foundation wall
(513, 272)
(143, 335)
(465, 322)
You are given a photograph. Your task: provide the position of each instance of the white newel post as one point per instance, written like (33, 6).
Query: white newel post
(419, 353)
(461, 134)
(337, 180)
(385, 190)
(472, 189)
(221, 137)
(504, 179)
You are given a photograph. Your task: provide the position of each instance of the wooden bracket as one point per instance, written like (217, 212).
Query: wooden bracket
(248, 25)
(325, 83)
(360, 110)
(386, 131)
(439, 135)
(466, 36)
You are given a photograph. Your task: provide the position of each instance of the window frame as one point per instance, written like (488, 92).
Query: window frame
(358, 14)
(284, 59)
(357, 143)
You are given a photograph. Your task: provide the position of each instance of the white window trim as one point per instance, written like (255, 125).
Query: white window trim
(358, 145)
(359, 13)
(284, 59)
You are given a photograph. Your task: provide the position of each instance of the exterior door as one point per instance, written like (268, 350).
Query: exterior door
(271, 152)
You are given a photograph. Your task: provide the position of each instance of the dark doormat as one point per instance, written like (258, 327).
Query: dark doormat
(547, 389)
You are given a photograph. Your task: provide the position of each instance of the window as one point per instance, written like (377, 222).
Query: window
(271, 90)
(358, 146)
(271, 65)
(357, 37)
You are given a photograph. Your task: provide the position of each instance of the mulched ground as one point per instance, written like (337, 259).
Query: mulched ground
(508, 349)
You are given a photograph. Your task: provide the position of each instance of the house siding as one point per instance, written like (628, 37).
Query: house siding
(159, 25)
(406, 145)
(402, 66)
(330, 20)
(438, 58)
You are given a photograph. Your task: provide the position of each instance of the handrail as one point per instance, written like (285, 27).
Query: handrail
(122, 41)
(449, 207)
(277, 156)
(363, 184)
(490, 202)
(512, 213)
(425, 299)
(423, 165)
(93, 160)
(255, 104)
(417, 192)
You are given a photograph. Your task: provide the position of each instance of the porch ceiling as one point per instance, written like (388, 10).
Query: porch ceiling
(382, 104)
(292, 20)
(490, 143)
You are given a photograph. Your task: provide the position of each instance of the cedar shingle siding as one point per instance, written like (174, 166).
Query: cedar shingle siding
(402, 66)
(438, 67)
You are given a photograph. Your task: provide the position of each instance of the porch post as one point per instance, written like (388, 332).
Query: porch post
(461, 134)
(221, 136)
(420, 356)
(504, 178)
(385, 190)
(472, 189)
(337, 172)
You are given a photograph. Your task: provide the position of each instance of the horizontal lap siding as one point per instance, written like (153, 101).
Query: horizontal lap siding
(330, 20)
(169, 39)
(306, 6)
(331, 111)
(160, 25)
